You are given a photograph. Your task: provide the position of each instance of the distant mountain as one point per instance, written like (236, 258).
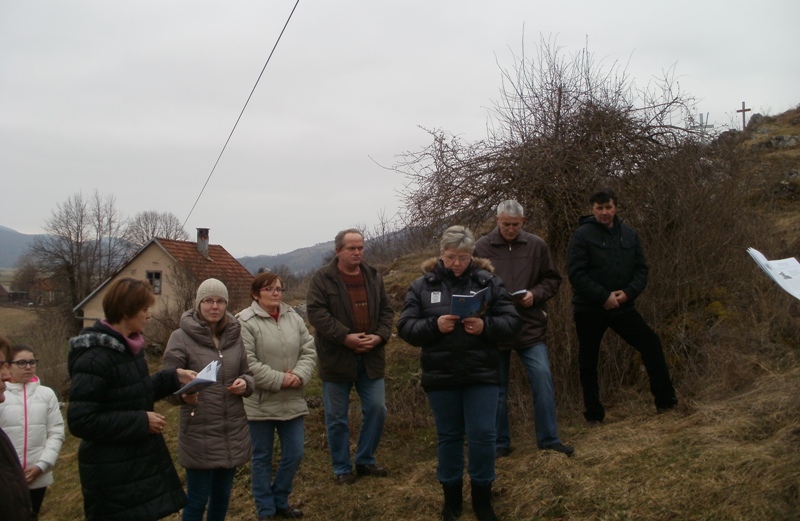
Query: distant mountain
(13, 245)
(302, 261)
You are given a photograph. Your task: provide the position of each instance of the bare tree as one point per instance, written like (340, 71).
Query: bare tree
(563, 126)
(81, 247)
(148, 224)
(26, 274)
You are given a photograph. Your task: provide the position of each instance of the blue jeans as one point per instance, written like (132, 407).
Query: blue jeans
(271, 495)
(537, 365)
(210, 487)
(336, 399)
(468, 411)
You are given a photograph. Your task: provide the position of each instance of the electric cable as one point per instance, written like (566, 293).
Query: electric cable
(240, 115)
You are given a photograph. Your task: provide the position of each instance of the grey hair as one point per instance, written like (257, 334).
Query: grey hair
(511, 208)
(457, 238)
(338, 242)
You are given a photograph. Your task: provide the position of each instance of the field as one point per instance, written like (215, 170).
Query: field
(715, 457)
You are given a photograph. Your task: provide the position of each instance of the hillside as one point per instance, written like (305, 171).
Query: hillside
(12, 246)
(730, 451)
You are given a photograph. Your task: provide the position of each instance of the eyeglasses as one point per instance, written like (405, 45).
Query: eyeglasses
(3, 364)
(23, 363)
(214, 301)
(273, 290)
(463, 259)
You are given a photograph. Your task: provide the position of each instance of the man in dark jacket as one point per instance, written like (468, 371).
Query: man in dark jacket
(523, 262)
(608, 271)
(348, 306)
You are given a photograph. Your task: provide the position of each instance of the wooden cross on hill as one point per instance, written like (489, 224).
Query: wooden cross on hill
(743, 110)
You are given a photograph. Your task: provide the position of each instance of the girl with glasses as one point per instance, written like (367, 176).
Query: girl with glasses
(32, 419)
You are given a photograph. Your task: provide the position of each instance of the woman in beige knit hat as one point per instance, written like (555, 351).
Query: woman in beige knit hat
(213, 438)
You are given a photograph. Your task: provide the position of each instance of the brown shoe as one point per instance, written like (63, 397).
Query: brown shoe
(344, 479)
(371, 470)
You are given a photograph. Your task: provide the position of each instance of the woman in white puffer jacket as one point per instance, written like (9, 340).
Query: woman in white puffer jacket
(31, 417)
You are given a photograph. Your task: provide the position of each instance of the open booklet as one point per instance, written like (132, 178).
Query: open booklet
(520, 293)
(786, 272)
(472, 305)
(204, 378)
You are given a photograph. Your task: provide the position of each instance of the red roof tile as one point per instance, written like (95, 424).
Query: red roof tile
(219, 265)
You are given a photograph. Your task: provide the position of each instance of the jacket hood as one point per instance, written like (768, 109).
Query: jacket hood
(478, 263)
(589, 219)
(199, 331)
(93, 338)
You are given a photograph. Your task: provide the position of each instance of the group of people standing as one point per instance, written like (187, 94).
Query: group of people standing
(266, 356)
(465, 360)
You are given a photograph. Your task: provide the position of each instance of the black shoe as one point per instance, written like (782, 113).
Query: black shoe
(290, 513)
(344, 479)
(502, 452)
(371, 470)
(662, 410)
(560, 447)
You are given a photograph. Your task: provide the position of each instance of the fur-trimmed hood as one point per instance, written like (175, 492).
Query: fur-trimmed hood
(479, 262)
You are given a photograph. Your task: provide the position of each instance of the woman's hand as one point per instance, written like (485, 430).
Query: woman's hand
(291, 381)
(31, 473)
(473, 325)
(191, 398)
(238, 387)
(447, 323)
(157, 422)
(185, 376)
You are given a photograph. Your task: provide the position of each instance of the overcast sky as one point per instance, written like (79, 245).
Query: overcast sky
(136, 99)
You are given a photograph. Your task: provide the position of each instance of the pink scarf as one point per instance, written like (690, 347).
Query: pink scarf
(135, 341)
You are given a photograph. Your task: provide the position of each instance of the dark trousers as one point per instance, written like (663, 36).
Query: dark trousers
(632, 328)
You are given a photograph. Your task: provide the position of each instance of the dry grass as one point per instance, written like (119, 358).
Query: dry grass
(14, 321)
(718, 457)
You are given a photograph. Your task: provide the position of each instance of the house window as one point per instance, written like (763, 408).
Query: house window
(154, 278)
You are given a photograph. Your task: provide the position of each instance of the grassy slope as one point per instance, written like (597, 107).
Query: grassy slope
(730, 458)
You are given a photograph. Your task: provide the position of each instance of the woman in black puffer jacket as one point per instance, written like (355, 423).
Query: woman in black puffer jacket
(125, 467)
(460, 372)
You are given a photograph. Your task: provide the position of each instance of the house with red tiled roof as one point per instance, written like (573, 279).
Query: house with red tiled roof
(175, 269)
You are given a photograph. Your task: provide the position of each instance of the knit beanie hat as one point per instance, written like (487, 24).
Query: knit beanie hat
(211, 288)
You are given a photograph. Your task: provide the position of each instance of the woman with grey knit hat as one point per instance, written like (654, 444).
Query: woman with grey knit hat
(213, 439)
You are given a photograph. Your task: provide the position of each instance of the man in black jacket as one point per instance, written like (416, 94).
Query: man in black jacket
(608, 271)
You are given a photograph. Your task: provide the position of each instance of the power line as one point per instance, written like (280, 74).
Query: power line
(240, 114)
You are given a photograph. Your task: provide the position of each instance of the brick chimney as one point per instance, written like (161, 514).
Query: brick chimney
(202, 241)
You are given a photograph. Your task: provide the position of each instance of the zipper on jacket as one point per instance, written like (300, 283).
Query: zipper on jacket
(24, 426)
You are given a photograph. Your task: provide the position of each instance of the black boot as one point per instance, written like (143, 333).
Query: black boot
(453, 500)
(482, 502)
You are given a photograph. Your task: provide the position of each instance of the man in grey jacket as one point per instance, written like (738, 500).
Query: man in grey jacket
(350, 311)
(523, 262)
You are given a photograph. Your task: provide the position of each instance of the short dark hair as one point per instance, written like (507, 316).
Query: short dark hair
(18, 348)
(262, 280)
(603, 196)
(126, 297)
